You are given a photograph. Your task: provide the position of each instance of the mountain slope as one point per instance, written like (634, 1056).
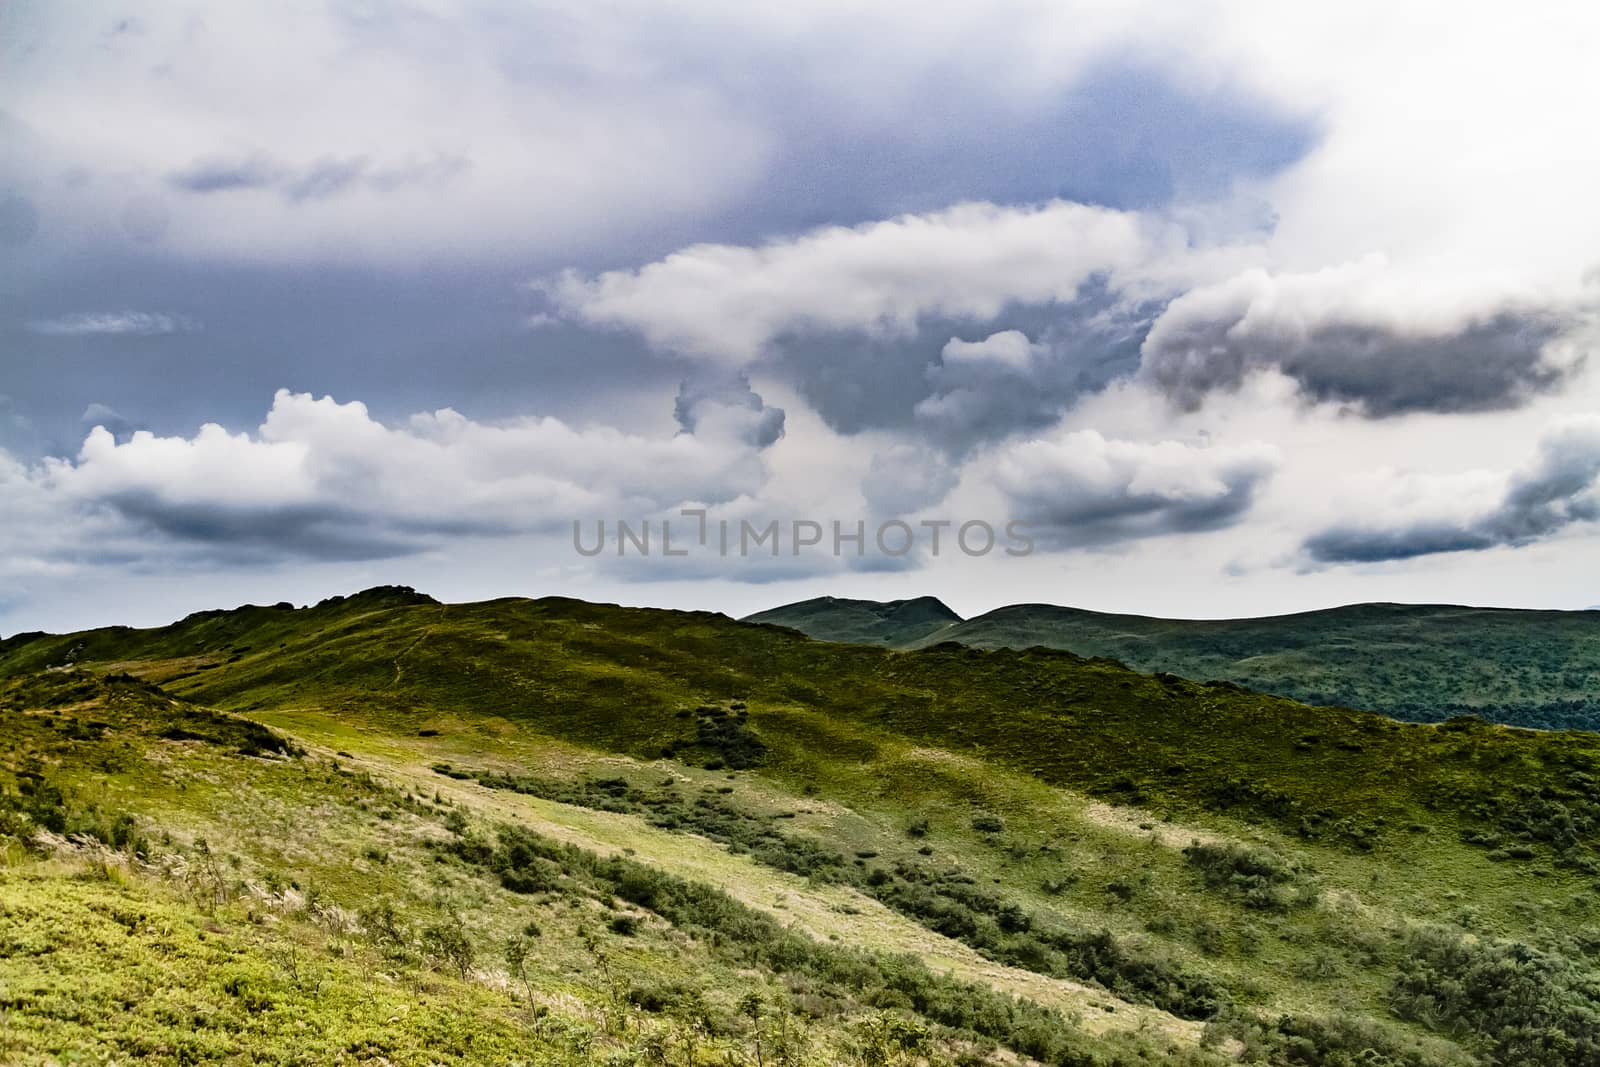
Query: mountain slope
(895, 623)
(1418, 662)
(1164, 871)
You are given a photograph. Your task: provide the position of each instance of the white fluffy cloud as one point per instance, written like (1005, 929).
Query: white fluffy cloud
(323, 479)
(1008, 349)
(728, 303)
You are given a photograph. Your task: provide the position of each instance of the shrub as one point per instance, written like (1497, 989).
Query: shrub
(448, 944)
(1255, 876)
(988, 824)
(1526, 1008)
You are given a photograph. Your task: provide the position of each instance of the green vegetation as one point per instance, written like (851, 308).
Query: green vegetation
(1424, 663)
(828, 978)
(548, 831)
(895, 624)
(1527, 1007)
(944, 898)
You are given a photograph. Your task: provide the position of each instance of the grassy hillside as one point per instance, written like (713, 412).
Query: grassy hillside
(894, 623)
(600, 832)
(1424, 663)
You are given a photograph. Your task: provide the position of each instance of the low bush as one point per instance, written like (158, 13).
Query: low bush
(1255, 876)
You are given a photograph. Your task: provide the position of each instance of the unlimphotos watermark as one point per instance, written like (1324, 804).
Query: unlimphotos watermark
(775, 537)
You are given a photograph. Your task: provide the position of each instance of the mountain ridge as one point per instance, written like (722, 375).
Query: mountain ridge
(888, 622)
(1425, 662)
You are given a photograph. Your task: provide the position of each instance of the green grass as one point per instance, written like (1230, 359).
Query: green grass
(1420, 662)
(116, 969)
(1032, 823)
(305, 910)
(894, 624)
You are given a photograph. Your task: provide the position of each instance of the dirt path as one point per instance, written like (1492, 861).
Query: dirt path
(835, 914)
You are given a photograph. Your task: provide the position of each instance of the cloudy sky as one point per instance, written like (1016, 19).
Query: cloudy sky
(1241, 307)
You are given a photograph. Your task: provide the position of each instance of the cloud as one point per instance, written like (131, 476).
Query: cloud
(1081, 489)
(905, 478)
(1362, 334)
(1007, 384)
(323, 177)
(19, 220)
(338, 135)
(1555, 489)
(728, 304)
(325, 480)
(1008, 350)
(98, 414)
(114, 324)
(729, 403)
(628, 130)
(227, 175)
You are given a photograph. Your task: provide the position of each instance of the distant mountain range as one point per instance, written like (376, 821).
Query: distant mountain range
(1418, 662)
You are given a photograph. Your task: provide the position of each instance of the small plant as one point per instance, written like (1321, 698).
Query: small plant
(1257, 876)
(517, 949)
(447, 942)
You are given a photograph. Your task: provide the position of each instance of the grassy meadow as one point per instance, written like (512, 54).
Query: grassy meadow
(384, 829)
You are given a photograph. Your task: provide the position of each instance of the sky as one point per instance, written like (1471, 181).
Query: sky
(1199, 309)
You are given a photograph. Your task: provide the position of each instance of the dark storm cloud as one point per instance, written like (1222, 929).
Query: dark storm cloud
(1486, 366)
(1075, 350)
(1557, 489)
(1353, 544)
(320, 533)
(1341, 344)
(1132, 516)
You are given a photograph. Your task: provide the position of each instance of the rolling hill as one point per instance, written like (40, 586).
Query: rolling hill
(1423, 663)
(385, 829)
(893, 624)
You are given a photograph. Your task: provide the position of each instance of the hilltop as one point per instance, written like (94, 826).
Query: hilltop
(893, 623)
(583, 833)
(1423, 663)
